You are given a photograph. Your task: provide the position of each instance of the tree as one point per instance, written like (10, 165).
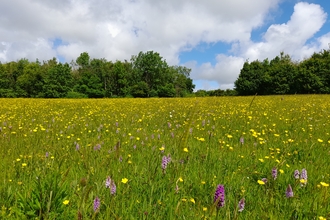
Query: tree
(30, 83)
(57, 81)
(150, 68)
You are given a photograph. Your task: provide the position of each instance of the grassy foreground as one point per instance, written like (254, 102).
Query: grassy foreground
(165, 158)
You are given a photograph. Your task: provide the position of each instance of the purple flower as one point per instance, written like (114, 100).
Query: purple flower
(97, 147)
(165, 161)
(169, 125)
(77, 147)
(296, 174)
(274, 173)
(47, 154)
(219, 196)
(97, 204)
(241, 140)
(303, 176)
(265, 180)
(109, 183)
(289, 192)
(241, 205)
(172, 134)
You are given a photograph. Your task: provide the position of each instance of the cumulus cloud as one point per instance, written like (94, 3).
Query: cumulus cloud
(290, 37)
(118, 29)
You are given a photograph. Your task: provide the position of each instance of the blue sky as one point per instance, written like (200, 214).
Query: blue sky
(213, 38)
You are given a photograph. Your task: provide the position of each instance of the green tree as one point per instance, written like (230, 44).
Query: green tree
(57, 81)
(30, 83)
(150, 68)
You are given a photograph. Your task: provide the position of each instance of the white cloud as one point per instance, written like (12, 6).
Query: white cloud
(118, 29)
(291, 37)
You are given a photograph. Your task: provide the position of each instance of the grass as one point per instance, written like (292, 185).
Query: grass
(57, 154)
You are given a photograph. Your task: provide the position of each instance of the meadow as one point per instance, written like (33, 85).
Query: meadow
(179, 158)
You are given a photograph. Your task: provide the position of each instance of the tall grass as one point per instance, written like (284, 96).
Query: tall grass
(57, 154)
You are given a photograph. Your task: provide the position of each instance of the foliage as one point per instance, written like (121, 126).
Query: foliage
(147, 75)
(283, 76)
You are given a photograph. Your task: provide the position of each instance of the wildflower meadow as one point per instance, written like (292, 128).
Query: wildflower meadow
(178, 158)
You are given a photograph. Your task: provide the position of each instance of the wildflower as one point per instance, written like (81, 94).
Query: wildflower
(47, 154)
(124, 180)
(274, 173)
(24, 164)
(65, 202)
(97, 147)
(219, 196)
(241, 205)
(165, 161)
(324, 184)
(109, 183)
(265, 180)
(241, 140)
(289, 192)
(296, 174)
(322, 218)
(204, 209)
(97, 204)
(192, 200)
(185, 149)
(303, 176)
(77, 147)
(261, 182)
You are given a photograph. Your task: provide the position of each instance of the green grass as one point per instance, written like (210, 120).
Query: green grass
(202, 137)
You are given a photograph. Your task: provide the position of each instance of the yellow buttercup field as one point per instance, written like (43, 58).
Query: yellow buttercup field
(179, 158)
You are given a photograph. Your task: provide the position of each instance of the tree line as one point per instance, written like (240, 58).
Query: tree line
(146, 75)
(282, 75)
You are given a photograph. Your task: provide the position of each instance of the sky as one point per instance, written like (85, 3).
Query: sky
(212, 37)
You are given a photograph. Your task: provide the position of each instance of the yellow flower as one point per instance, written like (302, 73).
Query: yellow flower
(65, 202)
(180, 179)
(124, 180)
(322, 218)
(204, 209)
(281, 171)
(18, 159)
(324, 184)
(261, 160)
(203, 182)
(303, 180)
(24, 164)
(192, 200)
(320, 140)
(183, 200)
(261, 182)
(161, 148)
(185, 149)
